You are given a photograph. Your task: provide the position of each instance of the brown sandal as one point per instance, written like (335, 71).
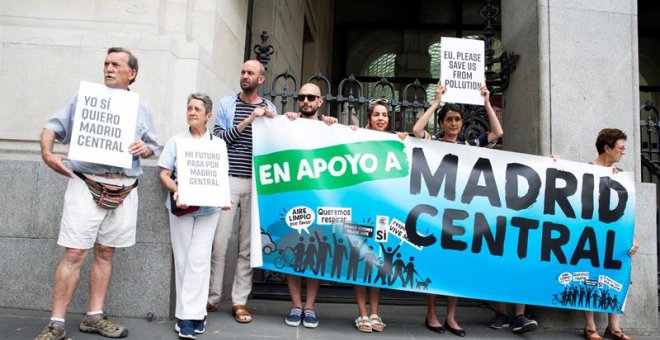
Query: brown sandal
(241, 314)
(591, 334)
(619, 335)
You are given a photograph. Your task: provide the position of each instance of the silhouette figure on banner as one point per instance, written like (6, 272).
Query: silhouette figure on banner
(323, 253)
(310, 256)
(410, 272)
(397, 269)
(338, 256)
(385, 271)
(354, 258)
(370, 260)
(298, 254)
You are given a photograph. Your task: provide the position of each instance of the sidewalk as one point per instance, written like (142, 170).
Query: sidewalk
(336, 323)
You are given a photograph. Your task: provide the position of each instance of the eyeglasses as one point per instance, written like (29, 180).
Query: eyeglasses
(310, 97)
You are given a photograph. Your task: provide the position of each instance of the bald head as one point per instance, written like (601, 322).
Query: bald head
(310, 88)
(256, 64)
(252, 75)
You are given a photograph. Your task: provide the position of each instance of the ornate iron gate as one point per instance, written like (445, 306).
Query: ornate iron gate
(348, 102)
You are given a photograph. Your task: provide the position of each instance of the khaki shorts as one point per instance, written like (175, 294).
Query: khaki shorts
(84, 223)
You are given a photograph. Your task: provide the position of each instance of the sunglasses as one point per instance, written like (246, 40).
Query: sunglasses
(379, 101)
(310, 97)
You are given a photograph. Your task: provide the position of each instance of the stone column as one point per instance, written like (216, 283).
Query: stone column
(578, 73)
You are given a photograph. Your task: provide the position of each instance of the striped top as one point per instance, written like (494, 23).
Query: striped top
(239, 144)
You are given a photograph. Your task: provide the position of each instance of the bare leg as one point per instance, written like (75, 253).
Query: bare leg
(452, 302)
(65, 280)
(614, 322)
(501, 308)
(589, 322)
(431, 315)
(99, 276)
(361, 298)
(374, 296)
(312, 291)
(520, 309)
(294, 283)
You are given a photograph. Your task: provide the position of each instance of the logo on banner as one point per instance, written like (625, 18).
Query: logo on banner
(382, 223)
(300, 218)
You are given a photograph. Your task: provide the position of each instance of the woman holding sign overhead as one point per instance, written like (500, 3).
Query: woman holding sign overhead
(191, 228)
(450, 121)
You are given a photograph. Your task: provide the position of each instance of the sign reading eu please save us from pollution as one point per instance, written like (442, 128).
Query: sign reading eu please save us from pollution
(462, 70)
(363, 207)
(104, 125)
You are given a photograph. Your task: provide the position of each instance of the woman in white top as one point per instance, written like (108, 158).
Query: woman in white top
(191, 228)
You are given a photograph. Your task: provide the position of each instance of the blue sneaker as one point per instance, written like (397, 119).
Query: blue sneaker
(500, 321)
(185, 328)
(199, 326)
(522, 324)
(295, 317)
(310, 320)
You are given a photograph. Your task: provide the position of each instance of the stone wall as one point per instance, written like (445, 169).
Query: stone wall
(577, 74)
(48, 47)
(143, 275)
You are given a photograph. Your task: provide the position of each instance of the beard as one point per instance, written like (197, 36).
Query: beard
(308, 110)
(249, 87)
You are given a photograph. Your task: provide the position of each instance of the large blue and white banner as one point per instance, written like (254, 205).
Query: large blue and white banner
(364, 207)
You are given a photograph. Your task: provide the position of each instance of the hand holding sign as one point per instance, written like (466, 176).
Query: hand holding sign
(262, 111)
(176, 200)
(440, 89)
(485, 94)
(139, 148)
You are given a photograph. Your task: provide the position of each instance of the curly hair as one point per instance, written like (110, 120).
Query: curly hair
(608, 137)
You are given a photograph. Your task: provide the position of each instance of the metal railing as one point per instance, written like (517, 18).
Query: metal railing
(348, 102)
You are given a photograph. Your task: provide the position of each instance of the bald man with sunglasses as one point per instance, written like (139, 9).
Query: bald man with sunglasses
(309, 102)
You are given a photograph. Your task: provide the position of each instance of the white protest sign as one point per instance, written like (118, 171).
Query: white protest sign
(398, 229)
(202, 172)
(104, 125)
(382, 223)
(462, 70)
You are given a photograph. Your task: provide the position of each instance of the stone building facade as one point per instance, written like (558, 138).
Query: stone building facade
(184, 46)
